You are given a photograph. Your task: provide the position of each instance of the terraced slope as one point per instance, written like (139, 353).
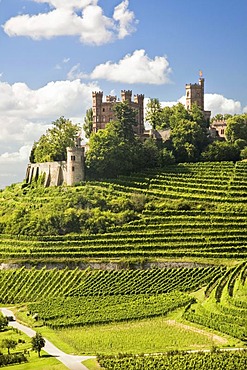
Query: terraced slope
(28, 285)
(187, 210)
(225, 308)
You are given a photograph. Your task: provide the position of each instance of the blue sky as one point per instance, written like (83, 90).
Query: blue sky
(54, 53)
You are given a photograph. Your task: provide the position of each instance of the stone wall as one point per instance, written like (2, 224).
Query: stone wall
(55, 173)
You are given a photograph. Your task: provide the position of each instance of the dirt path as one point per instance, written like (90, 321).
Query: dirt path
(72, 362)
(214, 337)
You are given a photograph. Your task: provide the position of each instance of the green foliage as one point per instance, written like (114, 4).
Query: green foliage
(115, 150)
(154, 113)
(3, 322)
(186, 210)
(88, 123)
(236, 128)
(221, 117)
(221, 151)
(188, 140)
(38, 343)
(226, 308)
(152, 155)
(52, 145)
(177, 360)
(74, 311)
(9, 344)
(243, 153)
(11, 359)
(46, 284)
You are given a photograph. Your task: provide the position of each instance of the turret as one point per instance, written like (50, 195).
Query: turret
(126, 95)
(75, 164)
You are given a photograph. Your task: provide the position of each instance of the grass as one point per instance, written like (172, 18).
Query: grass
(45, 362)
(92, 364)
(144, 336)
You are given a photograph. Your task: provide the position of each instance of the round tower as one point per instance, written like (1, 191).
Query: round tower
(75, 165)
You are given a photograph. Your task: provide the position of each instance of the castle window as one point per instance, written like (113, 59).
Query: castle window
(73, 157)
(103, 109)
(188, 93)
(73, 168)
(222, 131)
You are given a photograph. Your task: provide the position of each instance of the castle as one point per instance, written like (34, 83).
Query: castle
(72, 171)
(103, 112)
(195, 94)
(58, 173)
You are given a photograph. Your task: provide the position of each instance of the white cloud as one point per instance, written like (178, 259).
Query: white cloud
(91, 25)
(25, 114)
(135, 68)
(216, 103)
(76, 73)
(219, 104)
(126, 19)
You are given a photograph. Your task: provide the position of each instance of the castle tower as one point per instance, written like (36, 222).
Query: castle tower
(97, 104)
(126, 95)
(139, 102)
(75, 164)
(195, 94)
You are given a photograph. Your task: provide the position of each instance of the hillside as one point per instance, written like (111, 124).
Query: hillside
(187, 211)
(150, 263)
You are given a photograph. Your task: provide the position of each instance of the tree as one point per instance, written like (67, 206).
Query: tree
(154, 113)
(38, 342)
(188, 140)
(221, 151)
(9, 344)
(88, 123)
(236, 128)
(197, 116)
(115, 150)
(3, 322)
(243, 153)
(110, 154)
(152, 156)
(52, 145)
(126, 116)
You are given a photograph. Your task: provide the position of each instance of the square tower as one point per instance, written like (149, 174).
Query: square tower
(195, 94)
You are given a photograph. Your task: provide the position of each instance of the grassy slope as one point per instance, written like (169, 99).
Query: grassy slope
(183, 212)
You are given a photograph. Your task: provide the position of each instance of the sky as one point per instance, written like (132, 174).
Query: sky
(54, 53)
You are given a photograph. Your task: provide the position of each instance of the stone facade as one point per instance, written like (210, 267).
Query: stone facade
(67, 172)
(103, 110)
(218, 129)
(195, 94)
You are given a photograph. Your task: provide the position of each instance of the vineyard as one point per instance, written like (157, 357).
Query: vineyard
(225, 306)
(181, 361)
(164, 238)
(96, 296)
(188, 210)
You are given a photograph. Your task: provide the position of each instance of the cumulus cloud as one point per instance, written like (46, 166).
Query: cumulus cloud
(135, 68)
(25, 114)
(219, 104)
(125, 19)
(216, 103)
(83, 18)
